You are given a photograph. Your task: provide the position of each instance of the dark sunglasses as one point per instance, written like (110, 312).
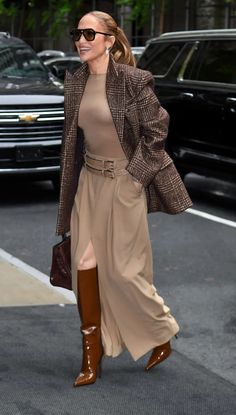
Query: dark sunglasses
(89, 34)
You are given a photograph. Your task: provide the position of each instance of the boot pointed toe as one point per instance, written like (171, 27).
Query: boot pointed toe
(85, 379)
(159, 354)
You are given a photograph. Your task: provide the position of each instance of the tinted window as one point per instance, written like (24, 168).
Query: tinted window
(63, 65)
(20, 62)
(219, 62)
(159, 57)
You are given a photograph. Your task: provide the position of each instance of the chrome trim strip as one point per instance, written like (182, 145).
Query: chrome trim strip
(184, 152)
(46, 143)
(50, 119)
(16, 120)
(32, 170)
(16, 135)
(31, 111)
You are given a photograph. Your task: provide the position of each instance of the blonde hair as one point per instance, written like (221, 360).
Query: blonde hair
(121, 50)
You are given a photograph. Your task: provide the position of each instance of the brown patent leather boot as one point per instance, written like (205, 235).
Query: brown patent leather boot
(159, 354)
(90, 315)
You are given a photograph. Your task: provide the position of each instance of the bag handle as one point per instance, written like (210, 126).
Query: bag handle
(65, 236)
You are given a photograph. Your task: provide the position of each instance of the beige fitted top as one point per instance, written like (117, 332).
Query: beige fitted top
(96, 120)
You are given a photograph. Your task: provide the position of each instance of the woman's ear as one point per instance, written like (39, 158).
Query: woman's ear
(111, 41)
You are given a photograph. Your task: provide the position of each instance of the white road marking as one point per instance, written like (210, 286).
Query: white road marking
(212, 217)
(69, 295)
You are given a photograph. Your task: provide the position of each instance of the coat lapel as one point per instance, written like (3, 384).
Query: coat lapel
(77, 82)
(74, 89)
(81, 76)
(115, 88)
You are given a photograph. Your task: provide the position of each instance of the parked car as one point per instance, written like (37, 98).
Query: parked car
(31, 113)
(59, 65)
(137, 51)
(195, 80)
(49, 54)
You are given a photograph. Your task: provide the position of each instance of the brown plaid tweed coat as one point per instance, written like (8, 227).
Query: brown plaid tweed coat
(142, 126)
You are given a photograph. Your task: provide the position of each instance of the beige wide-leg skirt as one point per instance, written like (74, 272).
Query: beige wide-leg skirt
(112, 213)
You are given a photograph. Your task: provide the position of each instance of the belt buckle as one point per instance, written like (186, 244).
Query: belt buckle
(109, 170)
(109, 173)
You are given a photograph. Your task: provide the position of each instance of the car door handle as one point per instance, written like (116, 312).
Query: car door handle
(187, 95)
(231, 100)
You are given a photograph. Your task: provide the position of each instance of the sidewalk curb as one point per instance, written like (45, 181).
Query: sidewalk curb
(33, 272)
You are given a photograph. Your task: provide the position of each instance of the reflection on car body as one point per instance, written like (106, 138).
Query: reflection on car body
(137, 51)
(49, 54)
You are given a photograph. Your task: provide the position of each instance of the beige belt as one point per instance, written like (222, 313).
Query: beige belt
(103, 167)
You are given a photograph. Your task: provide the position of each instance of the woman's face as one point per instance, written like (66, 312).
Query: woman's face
(93, 50)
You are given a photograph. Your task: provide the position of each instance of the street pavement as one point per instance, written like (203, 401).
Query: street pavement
(41, 354)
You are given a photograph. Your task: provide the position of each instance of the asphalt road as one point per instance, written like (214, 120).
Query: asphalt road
(194, 261)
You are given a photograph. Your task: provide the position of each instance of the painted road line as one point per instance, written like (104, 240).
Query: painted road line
(211, 217)
(33, 272)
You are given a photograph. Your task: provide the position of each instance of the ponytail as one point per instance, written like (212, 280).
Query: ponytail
(121, 50)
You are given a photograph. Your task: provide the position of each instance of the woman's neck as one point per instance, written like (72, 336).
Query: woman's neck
(98, 66)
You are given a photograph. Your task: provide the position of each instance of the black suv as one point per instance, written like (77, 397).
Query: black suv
(195, 80)
(31, 113)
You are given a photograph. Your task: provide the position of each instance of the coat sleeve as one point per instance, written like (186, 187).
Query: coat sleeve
(153, 126)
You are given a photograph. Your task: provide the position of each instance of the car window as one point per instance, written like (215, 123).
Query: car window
(218, 62)
(160, 57)
(20, 62)
(62, 66)
(67, 64)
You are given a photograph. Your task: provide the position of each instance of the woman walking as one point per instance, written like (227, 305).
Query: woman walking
(114, 170)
